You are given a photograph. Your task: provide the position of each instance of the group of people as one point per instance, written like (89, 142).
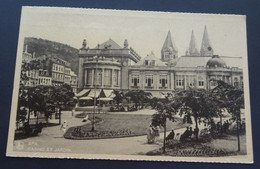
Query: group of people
(153, 134)
(188, 133)
(220, 128)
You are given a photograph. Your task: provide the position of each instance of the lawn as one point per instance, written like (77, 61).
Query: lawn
(117, 125)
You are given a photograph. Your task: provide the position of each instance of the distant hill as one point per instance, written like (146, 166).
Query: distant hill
(46, 47)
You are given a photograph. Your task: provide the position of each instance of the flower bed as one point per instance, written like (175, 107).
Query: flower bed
(81, 115)
(82, 133)
(191, 149)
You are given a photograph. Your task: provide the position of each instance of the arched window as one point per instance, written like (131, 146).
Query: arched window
(200, 81)
(236, 83)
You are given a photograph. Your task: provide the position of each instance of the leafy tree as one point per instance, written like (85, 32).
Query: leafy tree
(119, 96)
(196, 103)
(220, 98)
(139, 97)
(234, 101)
(24, 93)
(165, 110)
(61, 95)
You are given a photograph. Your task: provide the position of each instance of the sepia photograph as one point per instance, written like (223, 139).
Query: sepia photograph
(131, 85)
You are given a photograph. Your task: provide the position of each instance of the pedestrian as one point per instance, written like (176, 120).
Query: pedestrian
(64, 126)
(150, 135)
(190, 132)
(170, 136)
(196, 132)
(156, 132)
(73, 111)
(85, 119)
(185, 135)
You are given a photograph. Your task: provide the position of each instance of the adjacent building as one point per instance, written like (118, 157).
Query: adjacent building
(50, 71)
(110, 66)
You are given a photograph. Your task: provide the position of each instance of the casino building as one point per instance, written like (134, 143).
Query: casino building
(109, 66)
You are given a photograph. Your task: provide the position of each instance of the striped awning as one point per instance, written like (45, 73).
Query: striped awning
(92, 93)
(85, 98)
(82, 92)
(105, 99)
(109, 93)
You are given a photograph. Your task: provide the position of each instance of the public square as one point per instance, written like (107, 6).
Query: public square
(51, 140)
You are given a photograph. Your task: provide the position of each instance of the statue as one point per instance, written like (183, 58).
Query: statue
(126, 44)
(84, 44)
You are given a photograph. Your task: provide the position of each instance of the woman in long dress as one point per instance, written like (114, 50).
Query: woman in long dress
(64, 126)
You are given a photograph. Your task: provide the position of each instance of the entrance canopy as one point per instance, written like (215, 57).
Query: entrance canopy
(82, 92)
(159, 95)
(85, 98)
(109, 93)
(92, 93)
(105, 99)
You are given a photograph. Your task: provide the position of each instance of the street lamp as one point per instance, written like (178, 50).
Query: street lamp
(95, 98)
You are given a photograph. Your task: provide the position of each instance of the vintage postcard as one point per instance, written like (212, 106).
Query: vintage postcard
(131, 85)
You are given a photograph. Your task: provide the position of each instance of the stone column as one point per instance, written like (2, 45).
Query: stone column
(85, 77)
(80, 74)
(93, 76)
(171, 81)
(185, 82)
(112, 77)
(102, 78)
(119, 79)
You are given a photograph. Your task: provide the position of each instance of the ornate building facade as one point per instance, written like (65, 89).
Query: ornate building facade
(122, 68)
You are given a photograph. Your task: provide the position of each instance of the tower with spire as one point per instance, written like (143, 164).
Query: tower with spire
(193, 50)
(169, 50)
(206, 48)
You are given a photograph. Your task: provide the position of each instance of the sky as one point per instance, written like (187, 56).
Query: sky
(145, 31)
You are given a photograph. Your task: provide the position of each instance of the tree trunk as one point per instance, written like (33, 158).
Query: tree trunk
(37, 117)
(164, 136)
(29, 115)
(196, 127)
(59, 115)
(238, 139)
(221, 128)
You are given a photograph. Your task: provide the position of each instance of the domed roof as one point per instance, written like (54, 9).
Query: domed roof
(216, 62)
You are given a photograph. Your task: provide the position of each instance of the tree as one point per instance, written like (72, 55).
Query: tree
(139, 97)
(234, 100)
(196, 103)
(119, 96)
(61, 95)
(24, 92)
(220, 98)
(165, 110)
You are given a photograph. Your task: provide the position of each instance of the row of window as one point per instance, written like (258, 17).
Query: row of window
(45, 81)
(149, 80)
(58, 68)
(57, 76)
(107, 81)
(32, 74)
(190, 80)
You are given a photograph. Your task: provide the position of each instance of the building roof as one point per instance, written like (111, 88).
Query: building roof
(201, 61)
(216, 62)
(109, 44)
(169, 44)
(72, 73)
(206, 47)
(193, 50)
(151, 57)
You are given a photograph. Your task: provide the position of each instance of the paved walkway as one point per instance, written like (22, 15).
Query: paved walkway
(51, 139)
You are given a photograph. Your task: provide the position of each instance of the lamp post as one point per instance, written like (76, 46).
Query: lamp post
(95, 97)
